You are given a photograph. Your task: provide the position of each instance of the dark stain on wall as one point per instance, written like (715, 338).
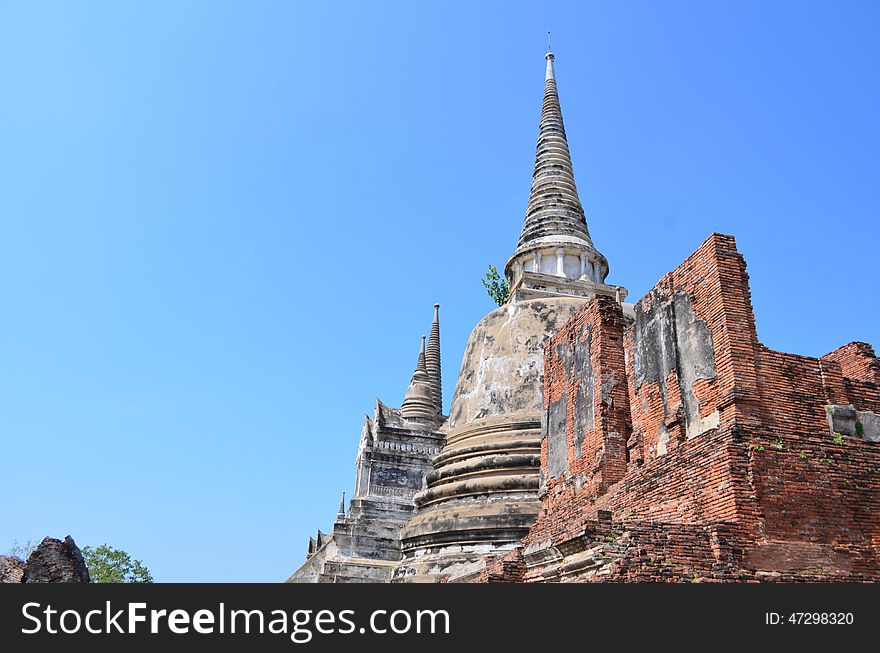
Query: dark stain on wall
(557, 444)
(669, 337)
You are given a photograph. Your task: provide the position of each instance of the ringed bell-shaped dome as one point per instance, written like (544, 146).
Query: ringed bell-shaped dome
(503, 364)
(418, 404)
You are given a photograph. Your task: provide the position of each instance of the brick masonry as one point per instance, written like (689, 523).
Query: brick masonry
(677, 447)
(51, 561)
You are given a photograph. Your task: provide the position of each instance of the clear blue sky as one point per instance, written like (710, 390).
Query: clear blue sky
(223, 226)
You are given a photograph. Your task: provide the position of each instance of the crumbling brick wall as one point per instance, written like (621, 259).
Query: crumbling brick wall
(701, 481)
(691, 350)
(734, 460)
(819, 502)
(51, 561)
(586, 403)
(860, 369)
(794, 392)
(586, 399)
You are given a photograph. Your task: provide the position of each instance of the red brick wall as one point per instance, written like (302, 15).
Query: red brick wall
(857, 361)
(697, 481)
(794, 503)
(794, 393)
(702, 481)
(814, 489)
(860, 369)
(601, 461)
(603, 450)
(715, 279)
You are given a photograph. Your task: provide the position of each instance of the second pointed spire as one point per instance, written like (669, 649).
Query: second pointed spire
(432, 361)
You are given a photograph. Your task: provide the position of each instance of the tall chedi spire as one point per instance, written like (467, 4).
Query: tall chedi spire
(555, 239)
(432, 361)
(418, 404)
(554, 207)
(484, 492)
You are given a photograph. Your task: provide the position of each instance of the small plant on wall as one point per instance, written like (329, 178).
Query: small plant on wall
(496, 286)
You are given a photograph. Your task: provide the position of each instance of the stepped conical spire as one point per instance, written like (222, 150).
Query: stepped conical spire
(554, 238)
(418, 404)
(554, 207)
(432, 361)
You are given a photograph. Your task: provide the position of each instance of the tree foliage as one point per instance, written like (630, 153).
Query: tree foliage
(496, 286)
(109, 565)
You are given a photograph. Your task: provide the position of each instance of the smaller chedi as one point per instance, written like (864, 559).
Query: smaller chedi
(393, 457)
(418, 404)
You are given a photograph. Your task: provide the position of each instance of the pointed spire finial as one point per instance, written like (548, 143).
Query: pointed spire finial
(555, 221)
(342, 506)
(432, 362)
(554, 209)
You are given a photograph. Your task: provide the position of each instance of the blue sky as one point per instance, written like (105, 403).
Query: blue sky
(223, 226)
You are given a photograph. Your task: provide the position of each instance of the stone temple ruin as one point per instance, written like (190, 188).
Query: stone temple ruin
(594, 440)
(51, 561)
